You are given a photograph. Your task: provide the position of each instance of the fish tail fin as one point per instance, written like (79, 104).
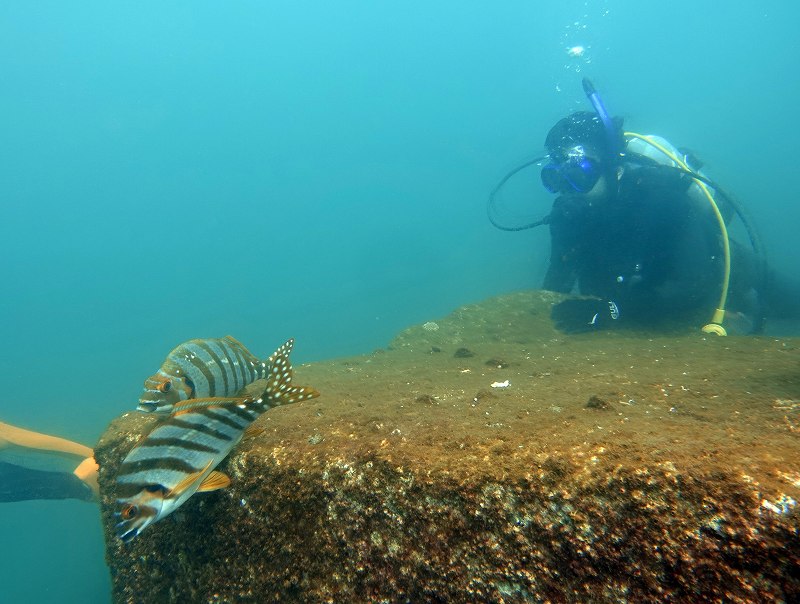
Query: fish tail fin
(280, 390)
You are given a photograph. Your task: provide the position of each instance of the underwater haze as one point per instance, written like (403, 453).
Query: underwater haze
(316, 170)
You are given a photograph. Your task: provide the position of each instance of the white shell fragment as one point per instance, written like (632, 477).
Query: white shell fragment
(505, 384)
(783, 505)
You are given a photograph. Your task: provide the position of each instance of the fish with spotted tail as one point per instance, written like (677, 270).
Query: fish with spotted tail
(202, 368)
(177, 459)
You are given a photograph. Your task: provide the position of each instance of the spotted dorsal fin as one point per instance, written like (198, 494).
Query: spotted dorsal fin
(279, 381)
(284, 349)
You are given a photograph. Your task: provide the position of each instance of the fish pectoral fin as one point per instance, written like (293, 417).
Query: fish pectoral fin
(252, 431)
(187, 482)
(193, 404)
(214, 481)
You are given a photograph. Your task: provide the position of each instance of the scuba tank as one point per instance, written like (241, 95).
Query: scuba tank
(654, 149)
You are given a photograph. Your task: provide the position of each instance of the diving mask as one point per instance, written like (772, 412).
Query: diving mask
(576, 173)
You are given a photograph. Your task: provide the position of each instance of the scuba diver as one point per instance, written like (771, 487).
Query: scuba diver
(39, 466)
(642, 232)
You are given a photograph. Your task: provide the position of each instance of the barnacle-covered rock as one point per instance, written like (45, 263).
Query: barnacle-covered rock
(683, 488)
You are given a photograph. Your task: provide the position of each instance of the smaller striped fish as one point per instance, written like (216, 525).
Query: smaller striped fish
(177, 459)
(202, 368)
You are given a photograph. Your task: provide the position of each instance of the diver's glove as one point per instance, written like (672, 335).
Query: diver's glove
(578, 316)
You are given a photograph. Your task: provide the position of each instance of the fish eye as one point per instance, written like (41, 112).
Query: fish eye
(165, 386)
(129, 512)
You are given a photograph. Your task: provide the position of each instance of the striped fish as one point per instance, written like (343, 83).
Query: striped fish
(202, 368)
(177, 459)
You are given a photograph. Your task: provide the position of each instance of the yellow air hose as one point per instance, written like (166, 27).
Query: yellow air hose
(715, 326)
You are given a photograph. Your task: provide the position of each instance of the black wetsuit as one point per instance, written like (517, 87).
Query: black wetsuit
(650, 247)
(18, 483)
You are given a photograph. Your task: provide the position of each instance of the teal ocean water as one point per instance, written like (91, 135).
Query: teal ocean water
(315, 170)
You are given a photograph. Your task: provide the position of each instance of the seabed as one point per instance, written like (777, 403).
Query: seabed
(485, 457)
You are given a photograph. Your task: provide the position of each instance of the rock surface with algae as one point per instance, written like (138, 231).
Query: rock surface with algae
(603, 468)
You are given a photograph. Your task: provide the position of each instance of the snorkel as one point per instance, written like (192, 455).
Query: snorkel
(600, 110)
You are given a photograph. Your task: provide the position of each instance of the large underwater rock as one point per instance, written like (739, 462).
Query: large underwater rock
(610, 468)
